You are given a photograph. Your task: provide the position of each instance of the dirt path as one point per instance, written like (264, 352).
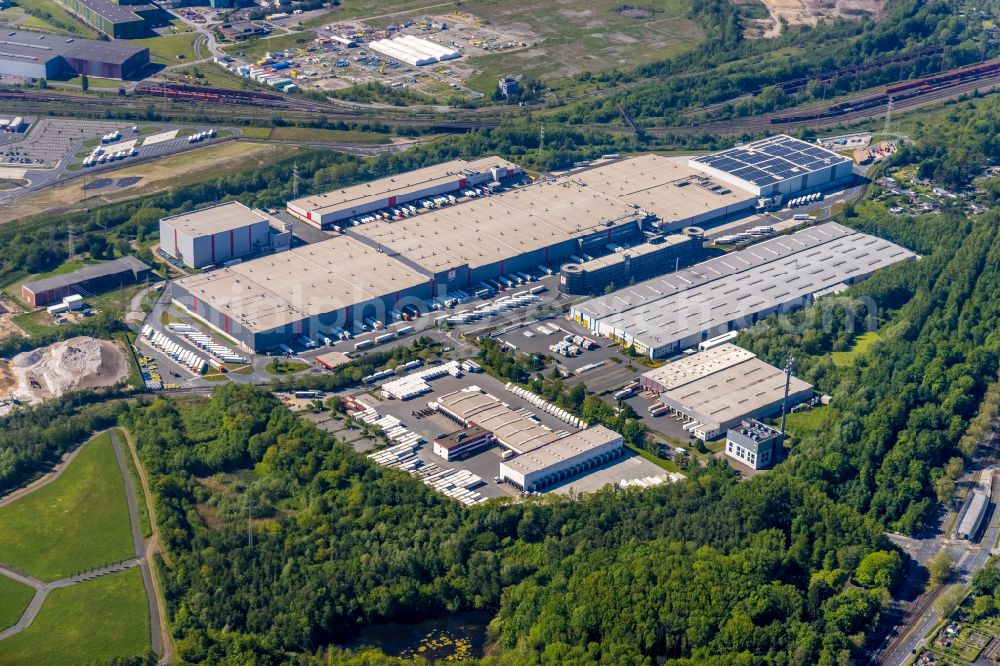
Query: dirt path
(155, 624)
(154, 545)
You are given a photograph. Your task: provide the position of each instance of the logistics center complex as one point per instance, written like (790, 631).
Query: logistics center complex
(400, 240)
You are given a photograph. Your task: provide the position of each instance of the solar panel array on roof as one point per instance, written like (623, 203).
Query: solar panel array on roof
(772, 160)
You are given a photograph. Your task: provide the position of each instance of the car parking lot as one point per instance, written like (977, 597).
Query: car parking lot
(51, 139)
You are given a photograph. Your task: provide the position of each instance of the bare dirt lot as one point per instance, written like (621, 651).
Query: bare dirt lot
(146, 178)
(811, 12)
(543, 40)
(70, 365)
(8, 309)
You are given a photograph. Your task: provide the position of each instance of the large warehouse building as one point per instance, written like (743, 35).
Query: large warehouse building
(777, 165)
(325, 210)
(443, 248)
(218, 234)
(264, 302)
(542, 456)
(88, 280)
(717, 389)
(120, 19)
(627, 265)
(673, 312)
(37, 55)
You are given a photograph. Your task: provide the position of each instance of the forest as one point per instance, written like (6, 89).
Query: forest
(709, 569)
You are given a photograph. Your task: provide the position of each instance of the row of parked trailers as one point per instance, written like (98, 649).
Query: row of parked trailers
(409, 209)
(184, 357)
(492, 309)
(209, 344)
(545, 406)
(456, 484)
(751, 234)
(803, 200)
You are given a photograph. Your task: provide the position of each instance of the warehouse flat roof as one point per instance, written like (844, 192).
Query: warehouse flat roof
(663, 310)
(303, 282)
(695, 366)
(663, 186)
(732, 392)
(559, 450)
(973, 514)
(524, 219)
(216, 219)
(41, 47)
(112, 267)
(400, 184)
(488, 229)
(515, 429)
(453, 440)
(114, 12)
(771, 160)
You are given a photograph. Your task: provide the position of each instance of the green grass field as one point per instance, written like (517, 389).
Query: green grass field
(91, 622)
(79, 521)
(15, 598)
(61, 20)
(812, 422)
(164, 49)
(861, 346)
(325, 135)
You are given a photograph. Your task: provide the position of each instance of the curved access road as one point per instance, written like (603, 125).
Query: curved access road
(45, 479)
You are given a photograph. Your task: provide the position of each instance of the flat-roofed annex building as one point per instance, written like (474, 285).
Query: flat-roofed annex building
(274, 299)
(777, 165)
(42, 56)
(216, 234)
(719, 388)
(563, 459)
(324, 210)
(663, 315)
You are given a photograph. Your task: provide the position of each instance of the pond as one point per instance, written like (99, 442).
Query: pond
(450, 638)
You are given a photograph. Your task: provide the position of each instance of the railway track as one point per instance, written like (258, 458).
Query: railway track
(909, 616)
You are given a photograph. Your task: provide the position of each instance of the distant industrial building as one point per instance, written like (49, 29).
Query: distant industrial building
(777, 165)
(536, 456)
(240, 30)
(754, 444)
(120, 20)
(88, 280)
(627, 265)
(666, 314)
(38, 55)
(217, 234)
(971, 516)
(414, 50)
(718, 388)
(325, 210)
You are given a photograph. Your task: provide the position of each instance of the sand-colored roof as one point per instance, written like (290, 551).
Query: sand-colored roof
(307, 281)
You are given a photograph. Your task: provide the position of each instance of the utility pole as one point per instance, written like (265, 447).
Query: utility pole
(295, 180)
(788, 381)
(71, 242)
(249, 524)
(888, 117)
(541, 140)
